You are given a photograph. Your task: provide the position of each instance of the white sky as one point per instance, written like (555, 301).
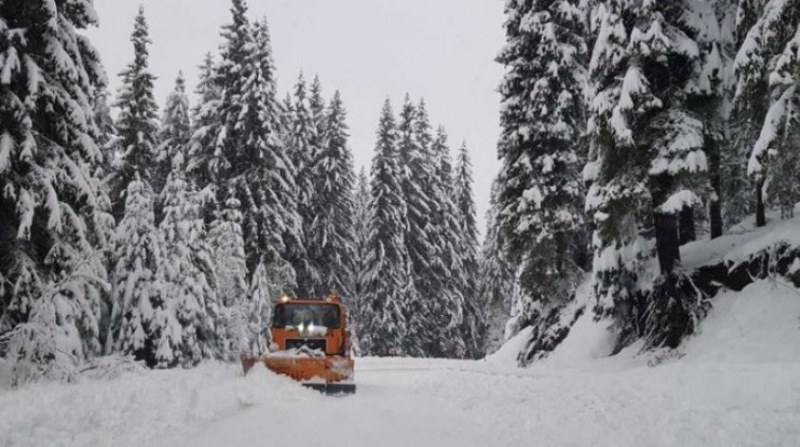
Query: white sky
(442, 50)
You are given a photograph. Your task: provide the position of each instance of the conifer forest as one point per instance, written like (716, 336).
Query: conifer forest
(161, 231)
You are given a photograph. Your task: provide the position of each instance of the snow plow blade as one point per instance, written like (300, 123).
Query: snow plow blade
(333, 389)
(331, 375)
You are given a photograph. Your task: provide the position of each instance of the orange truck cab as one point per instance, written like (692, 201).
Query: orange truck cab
(310, 344)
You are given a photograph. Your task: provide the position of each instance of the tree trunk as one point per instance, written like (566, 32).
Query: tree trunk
(686, 229)
(715, 177)
(667, 241)
(761, 216)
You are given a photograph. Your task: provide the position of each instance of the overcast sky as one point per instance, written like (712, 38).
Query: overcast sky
(442, 50)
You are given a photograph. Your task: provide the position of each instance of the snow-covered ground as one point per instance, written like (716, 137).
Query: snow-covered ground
(735, 384)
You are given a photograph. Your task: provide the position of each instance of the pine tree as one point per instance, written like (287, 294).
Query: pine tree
(174, 136)
(473, 326)
(542, 146)
(707, 98)
(230, 271)
(51, 269)
(766, 70)
(137, 122)
(388, 280)
(647, 147)
(361, 232)
(447, 307)
(498, 287)
(142, 321)
(316, 107)
(259, 312)
(304, 149)
(248, 159)
(416, 180)
(202, 156)
(280, 224)
(330, 237)
(106, 132)
(185, 276)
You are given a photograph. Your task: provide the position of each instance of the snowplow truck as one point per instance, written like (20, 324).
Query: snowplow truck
(310, 344)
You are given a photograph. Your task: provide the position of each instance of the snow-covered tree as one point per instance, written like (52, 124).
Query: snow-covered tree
(142, 321)
(202, 155)
(230, 270)
(498, 286)
(106, 132)
(388, 281)
(137, 122)
(361, 229)
(303, 147)
(542, 144)
(767, 69)
(473, 327)
(416, 181)
(247, 156)
(185, 276)
(174, 137)
(273, 185)
(51, 269)
(261, 294)
(447, 307)
(647, 147)
(331, 237)
(316, 107)
(543, 148)
(707, 97)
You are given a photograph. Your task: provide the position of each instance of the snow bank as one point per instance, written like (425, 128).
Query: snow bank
(509, 352)
(742, 241)
(135, 409)
(760, 324)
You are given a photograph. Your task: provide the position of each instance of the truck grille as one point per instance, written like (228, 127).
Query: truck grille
(314, 344)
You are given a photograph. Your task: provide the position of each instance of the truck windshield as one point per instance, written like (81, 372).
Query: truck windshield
(296, 314)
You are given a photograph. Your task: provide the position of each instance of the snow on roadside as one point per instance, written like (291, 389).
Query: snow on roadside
(760, 324)
(742, 241)
(135, 409)
(509, 351)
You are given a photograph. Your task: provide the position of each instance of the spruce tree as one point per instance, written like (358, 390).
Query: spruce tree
(304, 149)
(137, 122)
(141, 323)
(707, 97)
(316, 107)
(282, 239)
(766, 95)
(647, 146)
(473, 325)
(174, 136)
(106, 132)
(230, 270)
(388, 281)
(542, 146)
(248, 159)
(185, 276)
(202, 155)
(51, 269)
(261, 294)
(447, 307)
(331, 237)
(498, 286)
(416, 179)
(361, 233)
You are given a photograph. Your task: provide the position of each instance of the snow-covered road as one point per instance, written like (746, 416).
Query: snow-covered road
(737, 384)
(444, 403)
